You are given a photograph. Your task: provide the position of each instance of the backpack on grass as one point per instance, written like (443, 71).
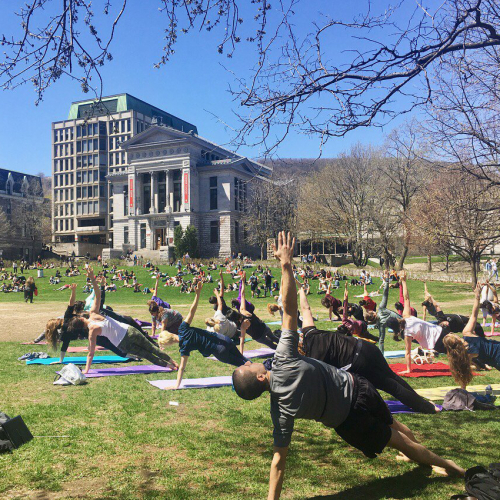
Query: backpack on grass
(482, 483)
(5, 444)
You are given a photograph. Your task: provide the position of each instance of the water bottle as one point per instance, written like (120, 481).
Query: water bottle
(489, 390)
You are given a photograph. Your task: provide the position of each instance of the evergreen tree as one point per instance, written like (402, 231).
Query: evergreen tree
(190, 242)
(178, 242)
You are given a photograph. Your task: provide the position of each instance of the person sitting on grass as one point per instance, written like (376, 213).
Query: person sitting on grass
(195, 339)
(123, 336)
(332, 304)
(306, 388)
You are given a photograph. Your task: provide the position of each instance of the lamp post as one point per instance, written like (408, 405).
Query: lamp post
(110, 242)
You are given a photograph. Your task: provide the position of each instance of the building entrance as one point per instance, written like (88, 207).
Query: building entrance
(161, 238)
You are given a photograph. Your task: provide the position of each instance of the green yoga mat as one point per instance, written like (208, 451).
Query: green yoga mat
(78, 360)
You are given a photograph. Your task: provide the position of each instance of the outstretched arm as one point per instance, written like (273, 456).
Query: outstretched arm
(471, 324)
(284, 253)
(385, 295)
(155, 292)
(180, 373)
(72, 297)
(194, 305)
(346, 303)
(97, 291)
(243, 333)
(307, 317)
(221, 274)
(219, 300)
(277, 472)
(406, 296)
(92, 343)
(243, 301)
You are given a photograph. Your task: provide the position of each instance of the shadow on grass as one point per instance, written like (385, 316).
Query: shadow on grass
(407, 485)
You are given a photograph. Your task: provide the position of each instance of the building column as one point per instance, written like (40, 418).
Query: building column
(153, 209)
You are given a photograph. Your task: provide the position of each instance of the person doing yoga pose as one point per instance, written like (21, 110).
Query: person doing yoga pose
(350, 326)
(428, 335)
(125, 337)
(305, 388)
(195, 339)
(462, 352)
(332, 304)
(219, 322)
(356, 356)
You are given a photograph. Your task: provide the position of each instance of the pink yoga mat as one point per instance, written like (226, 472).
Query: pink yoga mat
(82, 348)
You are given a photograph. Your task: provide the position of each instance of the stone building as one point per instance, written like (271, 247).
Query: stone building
(85, 149)
(177, 177)
(21, 200)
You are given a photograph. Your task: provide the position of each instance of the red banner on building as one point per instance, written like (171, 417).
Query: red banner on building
(186, 187)
(131, 193)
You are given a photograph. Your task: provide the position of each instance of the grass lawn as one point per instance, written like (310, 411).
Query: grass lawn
(125, 440)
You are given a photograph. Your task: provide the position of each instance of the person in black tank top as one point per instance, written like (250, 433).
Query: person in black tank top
(357, 356)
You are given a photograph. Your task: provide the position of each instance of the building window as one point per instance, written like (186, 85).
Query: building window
(143, 235)
(214, 232)
(240, 195)
(177, 181)
(213, 193)
(125, 235)
(236, 232)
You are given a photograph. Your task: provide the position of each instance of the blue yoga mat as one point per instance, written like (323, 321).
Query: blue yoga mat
(78, 360)
(394, 354)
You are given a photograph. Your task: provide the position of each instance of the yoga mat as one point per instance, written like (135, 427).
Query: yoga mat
(78, 360)
(70, 349)
(274, 323)
(126, 370)
(433, 370)
(194, 383)
(398, 407)
(438, 393)
(263, 352)
(494, 334)
(394, 354)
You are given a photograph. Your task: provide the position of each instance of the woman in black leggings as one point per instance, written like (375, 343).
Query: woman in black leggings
(357, 356)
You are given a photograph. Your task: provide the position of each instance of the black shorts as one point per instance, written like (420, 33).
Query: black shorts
(367, 427)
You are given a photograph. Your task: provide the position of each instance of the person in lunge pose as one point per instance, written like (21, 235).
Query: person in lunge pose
(123, 336)
(302, 387)
(195, 339)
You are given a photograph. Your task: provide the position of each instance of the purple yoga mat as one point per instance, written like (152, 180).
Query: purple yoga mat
(126, 370)
(194, 383)
(263, 352)
(398, 407)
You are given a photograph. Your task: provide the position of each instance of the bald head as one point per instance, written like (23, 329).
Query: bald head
(250, 381)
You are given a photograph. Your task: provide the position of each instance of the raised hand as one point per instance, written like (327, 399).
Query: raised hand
(477, 291)
(90, 272)
(402, 275)
(73, 286)
(199, 286)
(286, 245)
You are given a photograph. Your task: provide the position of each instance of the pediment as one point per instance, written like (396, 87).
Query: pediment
(154, 135)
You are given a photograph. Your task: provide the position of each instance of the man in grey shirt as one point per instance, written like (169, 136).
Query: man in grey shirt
(301, 387)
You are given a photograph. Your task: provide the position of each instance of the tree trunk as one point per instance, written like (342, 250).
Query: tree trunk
(447, 262)
(429, 263)
(402, 258)
(473, 267)
(262, 247)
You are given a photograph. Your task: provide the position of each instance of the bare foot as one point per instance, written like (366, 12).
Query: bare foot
(401, 456)
(440, 470)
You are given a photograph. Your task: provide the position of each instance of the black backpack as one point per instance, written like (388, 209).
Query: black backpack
(482, 483)
(5, 443)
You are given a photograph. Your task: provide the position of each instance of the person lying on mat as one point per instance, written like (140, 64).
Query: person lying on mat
(195, 339)
(461, 352)
(302, 387)
(125, 337)
(428, 335)
(356, 356)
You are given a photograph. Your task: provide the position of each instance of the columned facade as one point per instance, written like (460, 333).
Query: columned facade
(179, 178)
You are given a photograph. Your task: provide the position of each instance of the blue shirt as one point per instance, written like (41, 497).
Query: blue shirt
(196, 339)
(488, 351)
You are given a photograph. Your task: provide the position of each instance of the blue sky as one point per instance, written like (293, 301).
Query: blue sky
(193, 85)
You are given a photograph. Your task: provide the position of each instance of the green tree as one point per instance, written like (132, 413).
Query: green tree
(190, 242)
(178, 242)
